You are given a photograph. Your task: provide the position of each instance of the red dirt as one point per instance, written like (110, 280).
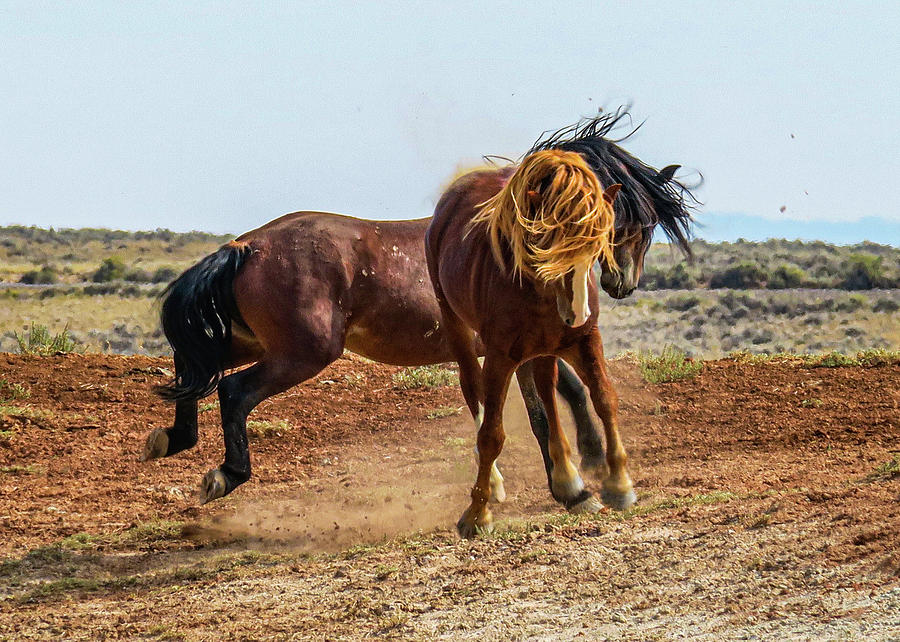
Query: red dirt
(797, 448)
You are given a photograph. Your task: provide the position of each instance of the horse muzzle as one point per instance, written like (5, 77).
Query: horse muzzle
(616, 286)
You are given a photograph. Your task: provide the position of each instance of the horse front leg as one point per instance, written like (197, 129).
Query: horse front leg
(496, 374)
(566, 484)
(587, 359)
(461, 340)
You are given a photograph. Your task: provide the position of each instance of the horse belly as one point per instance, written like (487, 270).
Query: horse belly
(415, 344)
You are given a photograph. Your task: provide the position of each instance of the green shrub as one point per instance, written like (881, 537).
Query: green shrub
(787, 276)
(675, 278)
(164, 275)
(45, 275)
(885, 305)
(740, 277)
(863, 272)
(852, 303)
(39, 341)
(682, 302)
(670, 365)
(138, 276)
(111, 269)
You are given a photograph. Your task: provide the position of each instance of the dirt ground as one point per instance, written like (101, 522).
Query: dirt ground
(769, 508)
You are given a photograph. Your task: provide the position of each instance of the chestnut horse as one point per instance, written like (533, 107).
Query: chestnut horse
(290, 297)
(509, 254)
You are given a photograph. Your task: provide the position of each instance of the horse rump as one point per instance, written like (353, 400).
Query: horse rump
(197, 311)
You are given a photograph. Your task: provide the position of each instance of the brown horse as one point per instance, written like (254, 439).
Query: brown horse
(290, 297)
(509, 254)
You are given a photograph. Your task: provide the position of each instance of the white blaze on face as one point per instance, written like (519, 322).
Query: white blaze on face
(580, 306)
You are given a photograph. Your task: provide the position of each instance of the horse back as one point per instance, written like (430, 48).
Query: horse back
(365, 280)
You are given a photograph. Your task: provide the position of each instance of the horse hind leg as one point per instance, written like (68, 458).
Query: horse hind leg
(566, 484)
(590, 444)
(239, 394)
(182, 435)
(587, 359)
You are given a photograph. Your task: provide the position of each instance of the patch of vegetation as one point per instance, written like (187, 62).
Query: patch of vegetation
(112, 268)
(682, 302)
(787, 276)
(40, 342)
(150, 532)
(864, 272)
(873, 357)
(164, 275)
(811, 403)
(887, 470)
(670, 365)
(456, 442)
(12, 391)
(44, 276)
(740, 277)
(79, 541)
(424, 377)
(355, 379)
(262, 428)
(830, 360)
(444, 411)
(28, 469)
(25, 412)
(878, 357)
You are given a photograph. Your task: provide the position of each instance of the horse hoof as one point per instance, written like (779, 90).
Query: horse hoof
(469, 527)
(617, 499)
(213, 486)
(157, 445)
(589, 505)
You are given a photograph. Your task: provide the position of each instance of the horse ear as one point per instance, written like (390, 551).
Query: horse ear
(667, 173)
(610, 193)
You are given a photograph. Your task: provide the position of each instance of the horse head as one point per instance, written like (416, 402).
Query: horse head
(649, 198)
(555, 221)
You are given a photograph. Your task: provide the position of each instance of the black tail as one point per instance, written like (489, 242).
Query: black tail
(197, 311)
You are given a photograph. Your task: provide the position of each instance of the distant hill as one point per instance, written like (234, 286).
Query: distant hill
(39, 256)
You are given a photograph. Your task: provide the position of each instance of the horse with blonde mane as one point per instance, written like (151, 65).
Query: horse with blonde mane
(509, 254)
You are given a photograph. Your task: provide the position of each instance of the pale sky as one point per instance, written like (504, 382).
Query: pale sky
(222, 116)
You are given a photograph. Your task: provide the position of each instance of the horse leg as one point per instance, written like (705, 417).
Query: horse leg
(537, 415)
(590, 445)
(587, 359)
(470, 381)
(566, 484)
(496, 375)
(164, 442)
(239, 394)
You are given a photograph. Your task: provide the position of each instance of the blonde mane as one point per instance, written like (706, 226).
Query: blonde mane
(553, 214)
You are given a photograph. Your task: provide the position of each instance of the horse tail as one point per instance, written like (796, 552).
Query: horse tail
(198, 309)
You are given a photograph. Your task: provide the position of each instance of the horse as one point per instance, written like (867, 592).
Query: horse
(509, 253)
(290, 297)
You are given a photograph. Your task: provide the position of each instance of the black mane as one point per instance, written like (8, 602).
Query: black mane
(647, 197)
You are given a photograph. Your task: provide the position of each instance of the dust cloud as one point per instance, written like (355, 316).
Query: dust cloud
(367, 496)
